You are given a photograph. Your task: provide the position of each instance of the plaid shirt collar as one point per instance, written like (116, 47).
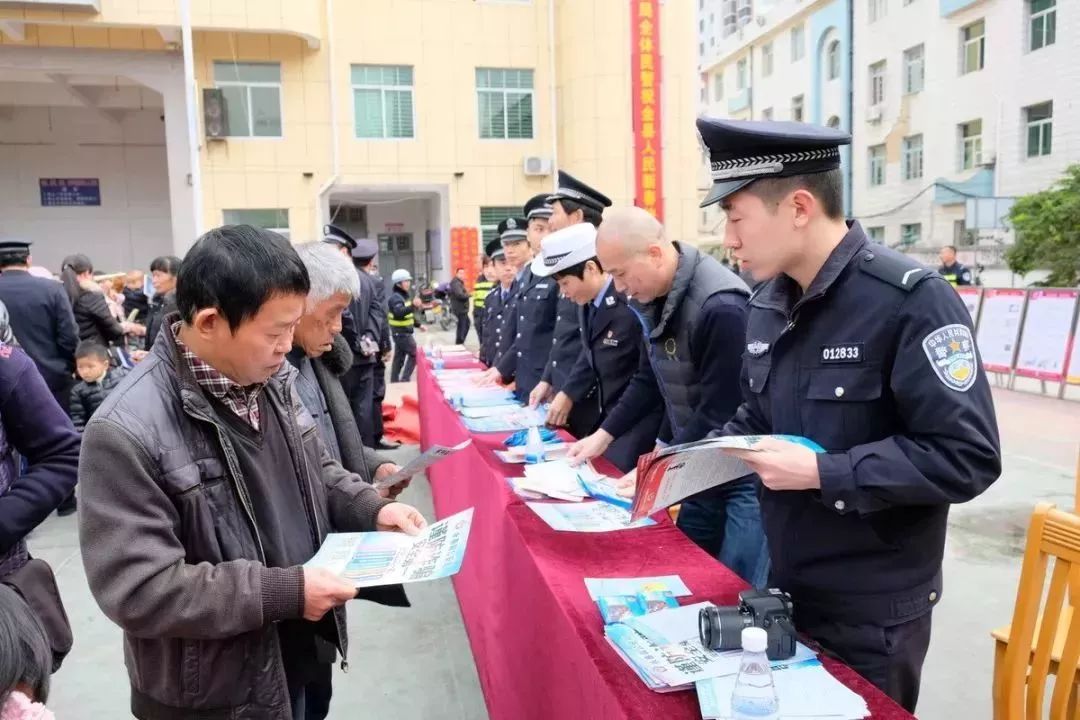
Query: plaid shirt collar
(244, 401)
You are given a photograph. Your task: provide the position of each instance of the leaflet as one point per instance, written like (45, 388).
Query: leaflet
(674, 473)
(587, 517)
(805, 689)
(490, 411)
(420, 463)
(598, 587)
(516, 455)
(386, 558)
(517, 419)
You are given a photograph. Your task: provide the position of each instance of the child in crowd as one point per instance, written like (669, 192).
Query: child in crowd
(97, 380)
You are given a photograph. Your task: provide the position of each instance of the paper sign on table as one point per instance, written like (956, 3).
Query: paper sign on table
(489, 411)
(518, 419)
(586, 517)
(516, 455)
(668, 475)
(386, 558)
(421, 462)
(805, 689)
(598, 587)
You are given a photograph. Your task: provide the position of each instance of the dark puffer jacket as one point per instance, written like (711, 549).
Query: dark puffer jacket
(87, 397)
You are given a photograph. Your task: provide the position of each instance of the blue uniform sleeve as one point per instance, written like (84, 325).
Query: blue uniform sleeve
(41, 432)
(641, 396)
(716, 346)
(951, 452)
(581, 378)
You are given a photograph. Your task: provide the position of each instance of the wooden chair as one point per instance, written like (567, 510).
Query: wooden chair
(1038, 645)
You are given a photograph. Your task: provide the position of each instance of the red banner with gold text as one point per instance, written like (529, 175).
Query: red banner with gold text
(645, 78)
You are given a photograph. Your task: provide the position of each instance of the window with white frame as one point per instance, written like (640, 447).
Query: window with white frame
(877, 83)
(740, 75)
(505, 103)
(832, 60)
(767, 114)
(718, 85)
(914, 69)
(911, 158)
(959, 232)
(970, 144)
(383, 101)
(798, 42)
(876, 162)
(910, 233)
(273, 219)
(1040, 127)
(876, 233)
(1042, 23)
(252, 94)
(877, 9)
(972, 47)
(766, 59)
(797, 105)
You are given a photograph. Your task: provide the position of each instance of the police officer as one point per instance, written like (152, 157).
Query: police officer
(484, 284)
(611, 346)
(514, 241)
(951, 269)
(403, 322)
(871, 355)
(495, 302)
(41, 319)
(535, 304)
(573, 202)
(379, 384)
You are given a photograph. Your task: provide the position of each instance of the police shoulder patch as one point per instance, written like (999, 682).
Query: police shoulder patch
(951, 352)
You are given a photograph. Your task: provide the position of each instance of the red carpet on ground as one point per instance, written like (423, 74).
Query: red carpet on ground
(402, 424)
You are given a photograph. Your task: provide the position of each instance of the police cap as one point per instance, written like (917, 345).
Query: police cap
(494, 249)
(743, 151)
(365, 249)
(538, 207)
(570, 188)
(512, 230)
(336, 236)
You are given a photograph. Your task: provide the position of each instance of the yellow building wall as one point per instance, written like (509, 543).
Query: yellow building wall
(596, 142)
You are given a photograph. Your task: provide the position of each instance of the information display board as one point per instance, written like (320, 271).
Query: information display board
(999, 327)
(1047, 328)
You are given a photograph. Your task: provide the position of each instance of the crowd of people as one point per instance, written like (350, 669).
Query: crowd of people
(224, 420)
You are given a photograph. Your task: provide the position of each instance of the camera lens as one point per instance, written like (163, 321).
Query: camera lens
(721, 628)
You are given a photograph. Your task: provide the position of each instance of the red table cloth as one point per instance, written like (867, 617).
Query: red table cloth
(537, 637)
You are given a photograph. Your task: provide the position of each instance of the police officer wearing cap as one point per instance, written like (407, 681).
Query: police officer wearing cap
(872, 356)
(495, 302)
(611, 346)
(535, 303)
(484, 284)
(41, 318)
(573, 202)
(514, 240)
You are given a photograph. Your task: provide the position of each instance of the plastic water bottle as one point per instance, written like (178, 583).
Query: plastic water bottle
(754, 697)
(534, 445)
(439, 362)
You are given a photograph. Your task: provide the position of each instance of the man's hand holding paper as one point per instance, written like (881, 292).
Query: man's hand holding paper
(781, 465)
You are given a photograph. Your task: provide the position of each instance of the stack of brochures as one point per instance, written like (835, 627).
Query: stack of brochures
(665, 651)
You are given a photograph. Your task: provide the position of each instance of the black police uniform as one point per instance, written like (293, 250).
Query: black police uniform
(378, 391)
(611, 353)
(566, 339)
(366, 315)
(490, 321)
(43, 323)
(876, 362)
(955, 274)
(402, 323)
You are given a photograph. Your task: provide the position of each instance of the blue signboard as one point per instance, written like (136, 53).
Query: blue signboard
(70, 192)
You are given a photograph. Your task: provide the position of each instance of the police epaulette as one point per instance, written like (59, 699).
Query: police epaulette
(893, 268)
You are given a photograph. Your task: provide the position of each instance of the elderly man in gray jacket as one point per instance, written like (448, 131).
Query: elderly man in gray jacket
(206, 487)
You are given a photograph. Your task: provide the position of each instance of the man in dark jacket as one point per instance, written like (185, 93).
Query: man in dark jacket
(41, 318)
(163, 271)
(321, 358)
(34, 426)
(693, 312)
(459, 305)
(205, 489)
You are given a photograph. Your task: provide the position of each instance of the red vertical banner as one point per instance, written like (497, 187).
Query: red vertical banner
(645, 95)
(465, 252)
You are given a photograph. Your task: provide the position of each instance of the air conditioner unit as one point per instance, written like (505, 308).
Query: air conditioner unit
(873, 113)
(215, 114)
(989, 159)
(536, 165)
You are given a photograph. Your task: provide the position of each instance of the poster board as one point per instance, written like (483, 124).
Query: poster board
(465, 253)
(972, 297)
(999, 327)
(1047, 329)
(1072, 376)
